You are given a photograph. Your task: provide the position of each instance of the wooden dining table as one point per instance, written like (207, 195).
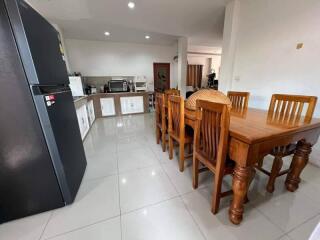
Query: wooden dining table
(253, 136)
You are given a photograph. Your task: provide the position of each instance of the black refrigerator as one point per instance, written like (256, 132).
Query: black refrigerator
(42, 160)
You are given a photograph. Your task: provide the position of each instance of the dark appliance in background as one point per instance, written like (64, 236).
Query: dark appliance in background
(42, 160)
(212, 82)
(118, 86)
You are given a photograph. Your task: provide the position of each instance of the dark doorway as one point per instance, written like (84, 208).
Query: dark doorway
(161, 72)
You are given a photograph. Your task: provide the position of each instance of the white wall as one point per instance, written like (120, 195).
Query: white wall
(266, 59)
(99, 58)
(182, 64)
(230, 31)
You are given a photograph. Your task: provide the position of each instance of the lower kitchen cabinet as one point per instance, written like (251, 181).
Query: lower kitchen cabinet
(132, 105)
(83, 120)
(91, 114)
(107, 107)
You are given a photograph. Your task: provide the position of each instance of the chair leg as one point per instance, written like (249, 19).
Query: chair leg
(195, 172)
(276, 168)
(158, 135)
(181, 157)
(163, 139)
(216, 194)
(170, 148)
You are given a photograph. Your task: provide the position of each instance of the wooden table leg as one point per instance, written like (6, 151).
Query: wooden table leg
(299, 161)
(240, 185)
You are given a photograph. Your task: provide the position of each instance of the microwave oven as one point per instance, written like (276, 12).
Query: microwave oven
(118, 86)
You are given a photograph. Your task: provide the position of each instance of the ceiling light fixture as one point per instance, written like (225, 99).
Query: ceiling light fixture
(107, 33)
(147, 37)
(131, 5)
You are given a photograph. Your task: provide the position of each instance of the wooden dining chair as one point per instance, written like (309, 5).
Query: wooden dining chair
(211, 145)
(239, 100)
(176, 129)
(286, 110)
(170, 92)
(161, 125)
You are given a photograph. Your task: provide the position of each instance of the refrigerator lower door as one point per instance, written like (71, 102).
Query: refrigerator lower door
(28, 184)
(60, 125)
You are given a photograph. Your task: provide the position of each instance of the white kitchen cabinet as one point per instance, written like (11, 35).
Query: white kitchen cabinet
(132, 105)
(83, 120)
(107, 107)
(91, 114)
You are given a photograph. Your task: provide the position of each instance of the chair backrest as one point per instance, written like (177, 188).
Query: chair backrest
(170, 92)
(288, 109)
(160, 108)
(211, 131)
(176, 116)
(239, 100)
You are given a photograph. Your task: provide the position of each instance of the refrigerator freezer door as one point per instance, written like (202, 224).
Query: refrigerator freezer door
(39, 45)
(59, 121)
(28, 184)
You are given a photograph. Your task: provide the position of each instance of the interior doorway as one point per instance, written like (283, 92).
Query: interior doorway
(161, 72)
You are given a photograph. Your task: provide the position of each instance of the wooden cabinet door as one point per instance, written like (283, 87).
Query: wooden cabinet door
(161, 72)
(107, 107)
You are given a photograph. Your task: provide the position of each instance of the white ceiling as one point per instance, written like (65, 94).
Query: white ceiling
(164, 20)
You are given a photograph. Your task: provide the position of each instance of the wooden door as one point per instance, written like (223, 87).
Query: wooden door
(161, 72)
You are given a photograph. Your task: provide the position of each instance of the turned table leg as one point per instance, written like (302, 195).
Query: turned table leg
(299, 161)
(241, 181)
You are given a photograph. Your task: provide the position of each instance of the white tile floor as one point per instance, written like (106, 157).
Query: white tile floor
(132, 191)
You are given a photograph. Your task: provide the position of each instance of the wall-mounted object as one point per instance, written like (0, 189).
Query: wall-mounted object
(299, 46)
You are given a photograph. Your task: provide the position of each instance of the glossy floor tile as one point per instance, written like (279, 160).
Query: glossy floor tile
(183, 181)
(168, 220)
(101, 163)
(136, 159)
(219, 227)
(28, 228)
(109, 229)
(289, 210)
(132, 191)
(97, 200)
(143, 187)
(303, 232)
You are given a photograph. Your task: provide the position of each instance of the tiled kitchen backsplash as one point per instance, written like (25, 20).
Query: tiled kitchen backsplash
(99, 82)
